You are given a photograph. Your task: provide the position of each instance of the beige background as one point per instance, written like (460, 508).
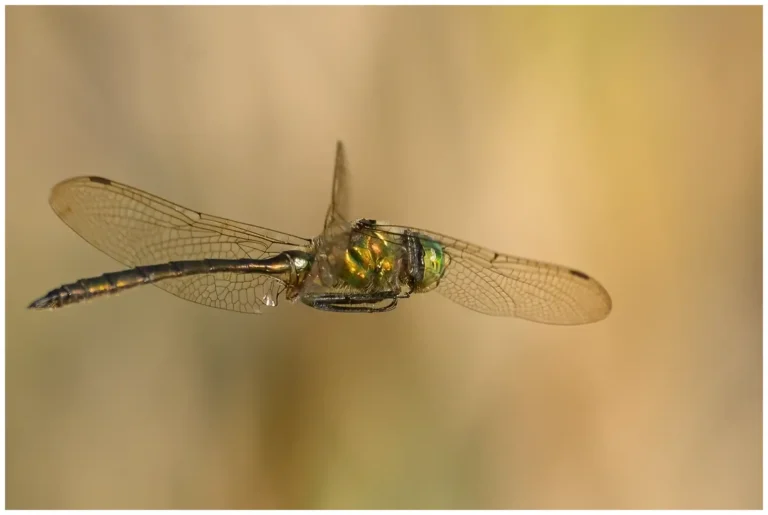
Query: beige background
(622, 141)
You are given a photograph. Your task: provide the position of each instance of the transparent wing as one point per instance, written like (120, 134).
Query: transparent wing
(502, 285)
(338, 211)
(137, 228)
(244, 293)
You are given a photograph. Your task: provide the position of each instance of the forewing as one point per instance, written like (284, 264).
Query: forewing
(137, 228)
(503, 285)
(338, 211)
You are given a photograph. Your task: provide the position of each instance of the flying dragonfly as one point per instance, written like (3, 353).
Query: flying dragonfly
(361, 266)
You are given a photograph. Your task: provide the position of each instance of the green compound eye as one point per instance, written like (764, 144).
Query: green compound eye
(434, 264)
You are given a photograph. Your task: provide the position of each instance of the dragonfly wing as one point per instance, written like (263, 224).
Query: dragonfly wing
(503, 285)
(138, 228)
(338, 211)
(244, 293)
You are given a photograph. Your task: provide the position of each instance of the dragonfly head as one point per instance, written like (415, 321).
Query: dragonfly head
(428, 264)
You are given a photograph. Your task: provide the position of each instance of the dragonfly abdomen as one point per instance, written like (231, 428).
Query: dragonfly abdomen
(116, 282)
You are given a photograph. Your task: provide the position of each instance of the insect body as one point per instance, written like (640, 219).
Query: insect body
(361, 266)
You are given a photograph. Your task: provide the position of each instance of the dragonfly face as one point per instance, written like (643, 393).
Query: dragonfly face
(354, 267)
(433, 264)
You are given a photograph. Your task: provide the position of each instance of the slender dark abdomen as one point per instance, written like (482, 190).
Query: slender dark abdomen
(111, 283)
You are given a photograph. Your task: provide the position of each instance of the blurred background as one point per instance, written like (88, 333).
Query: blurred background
(625, 142)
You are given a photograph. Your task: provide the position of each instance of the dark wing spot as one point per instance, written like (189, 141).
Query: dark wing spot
(580, 274)
(495, 257)
(101, 180)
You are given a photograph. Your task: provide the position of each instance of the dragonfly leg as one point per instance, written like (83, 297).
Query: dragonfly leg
(353, 302)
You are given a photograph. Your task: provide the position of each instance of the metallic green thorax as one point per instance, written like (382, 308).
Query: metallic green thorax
(373, 261)
(370, 262)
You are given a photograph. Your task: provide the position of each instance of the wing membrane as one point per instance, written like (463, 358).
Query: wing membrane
(244, 293)
(338, 211)
(137, 228)
(503, 285)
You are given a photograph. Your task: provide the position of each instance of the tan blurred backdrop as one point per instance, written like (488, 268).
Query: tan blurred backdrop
(622, 141)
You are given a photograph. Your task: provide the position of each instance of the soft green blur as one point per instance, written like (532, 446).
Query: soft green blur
(625, 142)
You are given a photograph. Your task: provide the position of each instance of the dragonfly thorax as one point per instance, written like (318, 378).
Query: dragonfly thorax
(370, 257)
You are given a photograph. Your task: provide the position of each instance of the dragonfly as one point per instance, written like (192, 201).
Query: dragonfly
(358, 266)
